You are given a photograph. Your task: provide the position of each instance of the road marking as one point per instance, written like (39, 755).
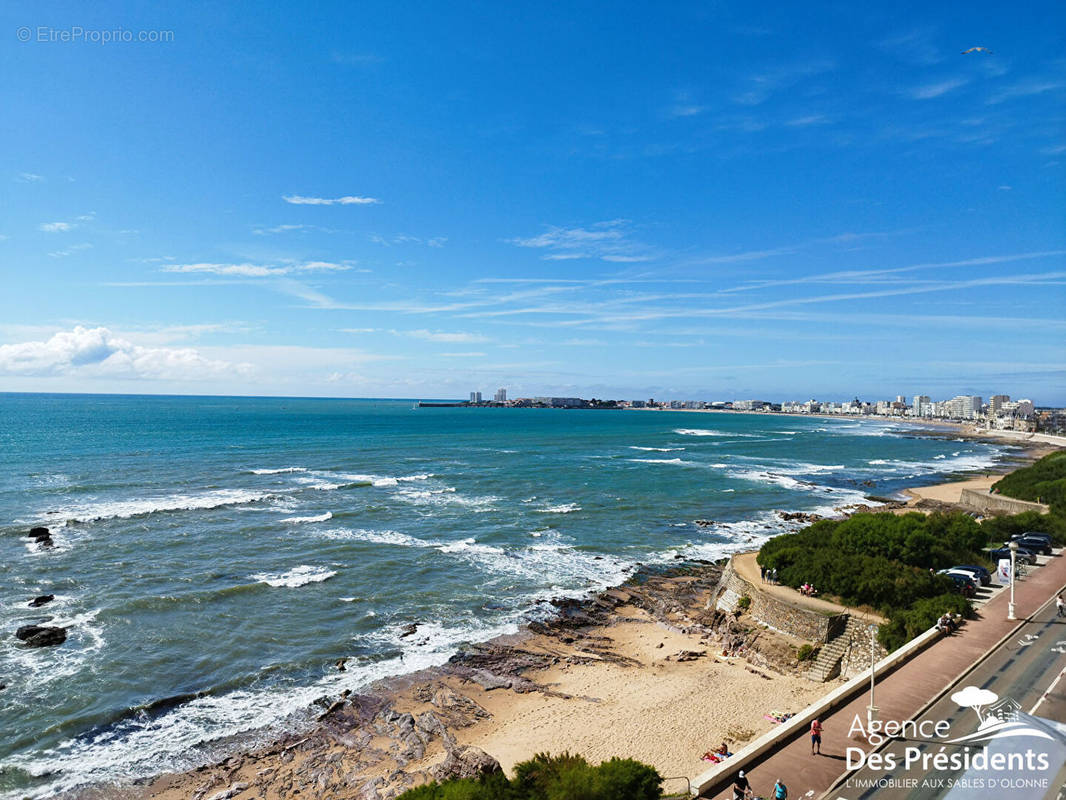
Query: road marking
(1050, 689)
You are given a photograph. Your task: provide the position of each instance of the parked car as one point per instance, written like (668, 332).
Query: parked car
(980, 574)
(1024, 556)
(1033, 536)
(1034, 544)
(964, 584)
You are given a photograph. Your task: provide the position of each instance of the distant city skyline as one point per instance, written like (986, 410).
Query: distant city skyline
(626, 201)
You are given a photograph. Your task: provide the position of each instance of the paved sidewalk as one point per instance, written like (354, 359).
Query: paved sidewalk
(900, 694)
(748, 568)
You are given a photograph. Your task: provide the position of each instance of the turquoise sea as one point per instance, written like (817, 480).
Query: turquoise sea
(214, 557)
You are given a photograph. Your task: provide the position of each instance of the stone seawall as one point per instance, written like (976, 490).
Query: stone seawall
(778, 615)
(986, 502)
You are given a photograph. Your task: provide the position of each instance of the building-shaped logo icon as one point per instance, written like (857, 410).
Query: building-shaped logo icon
(1005, 710)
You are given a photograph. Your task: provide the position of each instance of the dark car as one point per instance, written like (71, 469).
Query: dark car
(1034, 544)
(980, 574)
(963, 585)
(1024, 556)
(1033, 536)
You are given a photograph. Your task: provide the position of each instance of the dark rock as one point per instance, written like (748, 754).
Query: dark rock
(41, 635)
(37, 602)
(409, 630)
(38, 532)
(465, 762)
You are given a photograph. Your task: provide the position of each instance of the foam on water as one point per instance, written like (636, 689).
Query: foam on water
(295, 577)
(124, 509)
(278, 471)
(656, 449)
(301, 520)
(562, 508)
(707, 432)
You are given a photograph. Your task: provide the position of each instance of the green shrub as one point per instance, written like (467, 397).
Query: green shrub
(546, 777)
(920, 617)
(744, 603)
(1045, 481)
(806, 652)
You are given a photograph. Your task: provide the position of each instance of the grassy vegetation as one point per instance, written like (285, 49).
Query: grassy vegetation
(545, 777)
(887, 561)
(1044, 482)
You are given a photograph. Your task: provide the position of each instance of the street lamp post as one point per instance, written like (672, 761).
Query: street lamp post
(871, 710)
(1013, 562)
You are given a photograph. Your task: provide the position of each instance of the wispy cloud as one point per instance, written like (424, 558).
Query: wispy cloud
(261, 230)
(69, 251)
(56, 227)
(762, 85)
(931, 90)
(1026, 88)
(347, 200)
(444, 336)
(29, 177)
(914, 47)
(463, 355)
(606, 241)
(258, 270)
(808, 120)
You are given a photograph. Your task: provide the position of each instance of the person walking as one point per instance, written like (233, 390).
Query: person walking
(762, 572)
(1060, 605)
(741, 787)
(780, 790)
(816, 737)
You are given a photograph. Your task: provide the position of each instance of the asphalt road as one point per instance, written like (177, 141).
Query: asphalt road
(1025, 669)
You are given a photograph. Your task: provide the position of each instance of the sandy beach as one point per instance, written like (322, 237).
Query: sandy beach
(647, 679)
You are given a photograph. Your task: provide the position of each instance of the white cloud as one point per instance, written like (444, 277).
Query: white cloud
(443, 336)
(347, 200)
(463, 355)
(607, 241)
(437, 241)
(257, 270)
(69, 251)
(55, 227)
(931, 90)
(97, 352)
(29, 177)
(264, 231)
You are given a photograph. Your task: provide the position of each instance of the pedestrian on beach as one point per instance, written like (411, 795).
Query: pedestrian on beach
(1060, 605)
(780, 790)
(762, 570)
(816, 737)
(773, 575)
(741, 787)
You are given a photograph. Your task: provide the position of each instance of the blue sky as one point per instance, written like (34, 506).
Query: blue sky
(689, 200)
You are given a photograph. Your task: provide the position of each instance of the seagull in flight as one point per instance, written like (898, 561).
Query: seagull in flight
(977, 50)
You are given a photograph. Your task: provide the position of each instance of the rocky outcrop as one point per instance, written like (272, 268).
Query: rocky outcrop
(41, 600)
(41, 635)
(465, 762)
(42, 536)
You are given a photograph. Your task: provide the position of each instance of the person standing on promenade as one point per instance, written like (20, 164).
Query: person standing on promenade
(780, 790)
(816, 737)
(1060, 605)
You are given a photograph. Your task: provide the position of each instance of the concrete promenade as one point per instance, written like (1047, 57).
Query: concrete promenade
(900, 695)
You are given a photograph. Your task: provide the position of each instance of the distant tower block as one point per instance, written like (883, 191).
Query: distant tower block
(475, 397)
(501, 396)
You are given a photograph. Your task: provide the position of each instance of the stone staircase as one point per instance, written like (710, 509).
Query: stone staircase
(852, 642)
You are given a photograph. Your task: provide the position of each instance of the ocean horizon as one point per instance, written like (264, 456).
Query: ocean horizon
(215, 556)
